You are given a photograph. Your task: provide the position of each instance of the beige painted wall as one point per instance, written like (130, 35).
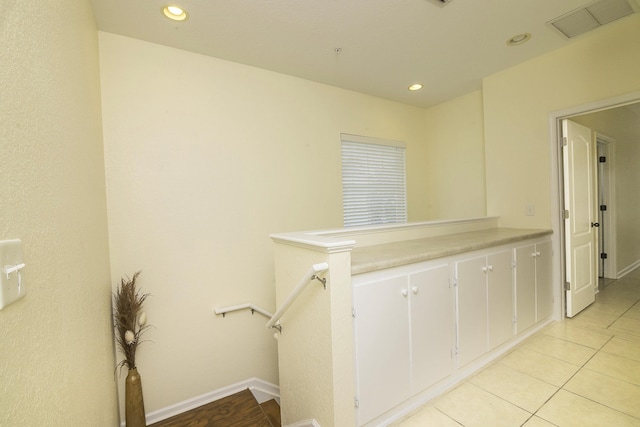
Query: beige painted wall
(519, 101)
(204, 159)
(623, 125)
(56, 351)
(455, 159)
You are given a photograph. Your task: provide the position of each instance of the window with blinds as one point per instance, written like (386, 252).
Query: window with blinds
(373, 181)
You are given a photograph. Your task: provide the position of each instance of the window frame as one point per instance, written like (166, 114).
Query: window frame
(374, 181)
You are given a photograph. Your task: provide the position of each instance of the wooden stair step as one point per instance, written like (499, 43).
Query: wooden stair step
(238, 410)
(272, 411)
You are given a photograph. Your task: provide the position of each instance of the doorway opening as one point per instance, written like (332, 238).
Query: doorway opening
(607, 179)
(606, 207)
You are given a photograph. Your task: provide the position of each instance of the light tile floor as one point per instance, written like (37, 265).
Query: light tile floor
(579, 372)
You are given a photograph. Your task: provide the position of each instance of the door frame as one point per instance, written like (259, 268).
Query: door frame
(556, 180)
(609, 223)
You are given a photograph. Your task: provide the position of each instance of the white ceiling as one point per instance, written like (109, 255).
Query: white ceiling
(385, 44)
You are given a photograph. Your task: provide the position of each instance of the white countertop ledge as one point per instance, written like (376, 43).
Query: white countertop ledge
(390, 245)
(387, 255)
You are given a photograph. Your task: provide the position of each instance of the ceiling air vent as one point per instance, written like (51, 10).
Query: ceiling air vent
(591, 16)
(440, 3)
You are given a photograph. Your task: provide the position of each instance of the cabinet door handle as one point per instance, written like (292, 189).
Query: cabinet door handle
(537, 254)
(405, 292)
(490, 268)
(414, 290)
(485, 269)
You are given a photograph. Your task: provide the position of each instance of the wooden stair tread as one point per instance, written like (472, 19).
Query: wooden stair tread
(272, 411)
(238, 410)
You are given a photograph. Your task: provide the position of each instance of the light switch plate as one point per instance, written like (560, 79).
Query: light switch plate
(12, 283)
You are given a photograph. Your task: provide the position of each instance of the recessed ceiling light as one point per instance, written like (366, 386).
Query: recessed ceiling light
(175, 13)
(519, 39)
(415, 86)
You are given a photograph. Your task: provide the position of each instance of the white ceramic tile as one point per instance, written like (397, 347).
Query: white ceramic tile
(618, 298)
(611, 308)
(427, 416)
(594, 319)
(537, 422)
(633, 312)
(568, 351)
(616, 394)
(566, 331)
(623, 347)
(616, 367)
(626, 325)
(522, 390)
(566, 409)
(472, 406)
(546, 368)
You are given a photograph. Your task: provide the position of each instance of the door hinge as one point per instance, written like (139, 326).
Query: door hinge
(602, 159)
(567, 286)
(603, 255)
(356, 402)
(603, 207)
(564, 141)
(566, 214)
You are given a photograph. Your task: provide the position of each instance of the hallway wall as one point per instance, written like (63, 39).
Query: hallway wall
(56, 345)
(517, 107)
(204, 159)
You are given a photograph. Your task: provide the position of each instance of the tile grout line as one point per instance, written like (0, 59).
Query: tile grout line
(583, 366)
(569, 379)
(448, 416)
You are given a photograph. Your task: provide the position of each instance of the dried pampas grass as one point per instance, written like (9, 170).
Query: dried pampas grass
(130, 322)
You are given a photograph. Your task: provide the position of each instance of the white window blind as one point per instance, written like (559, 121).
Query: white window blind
(373, 181)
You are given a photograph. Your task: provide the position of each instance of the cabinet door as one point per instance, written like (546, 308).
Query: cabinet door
(432, 326)
(525, 287)
(543, 280)
(381, 328)
(471, 309)
(500, 297)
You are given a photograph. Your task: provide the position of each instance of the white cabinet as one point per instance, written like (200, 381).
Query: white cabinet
(404, 333)
(544, 285)
(383, 374)
(534, 294)
(500, 297)
(471, 309)
(484, 304)
(420, 326)
(432, 326)
(525, 285)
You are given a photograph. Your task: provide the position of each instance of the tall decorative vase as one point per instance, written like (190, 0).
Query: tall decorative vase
(134, 405)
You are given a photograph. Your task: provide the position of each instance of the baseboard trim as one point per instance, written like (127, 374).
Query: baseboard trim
(262, 391)
(628, 269)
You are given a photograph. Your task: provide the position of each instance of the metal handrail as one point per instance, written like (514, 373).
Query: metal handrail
(308, 277)
(253, 308)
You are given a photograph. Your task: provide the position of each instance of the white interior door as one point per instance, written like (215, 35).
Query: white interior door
(579, 157)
